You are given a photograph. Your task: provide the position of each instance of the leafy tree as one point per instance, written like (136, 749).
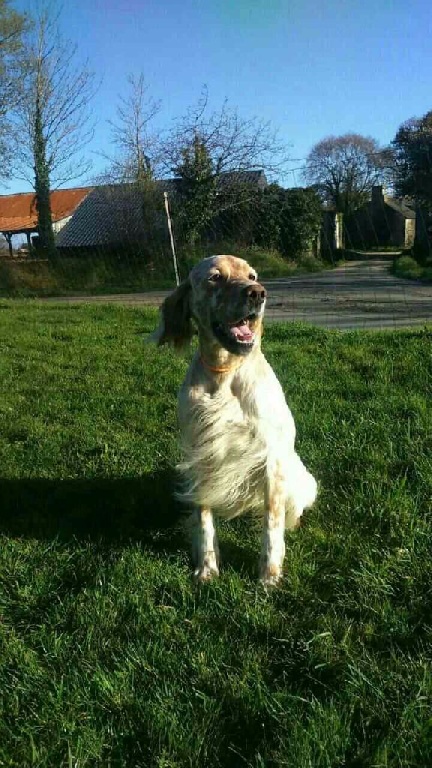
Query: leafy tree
(343, 170)
(412, 148)
(12, 28)
(287, 219)
(52, 117)
(196, 190)
(267, 216)
(301, 218)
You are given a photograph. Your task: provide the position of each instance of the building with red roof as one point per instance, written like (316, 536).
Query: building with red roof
(18, 214)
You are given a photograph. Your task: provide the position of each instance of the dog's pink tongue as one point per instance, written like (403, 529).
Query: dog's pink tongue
(242, 332)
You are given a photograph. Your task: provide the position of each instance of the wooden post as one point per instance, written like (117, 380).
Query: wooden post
(8, 237)
(171, 238)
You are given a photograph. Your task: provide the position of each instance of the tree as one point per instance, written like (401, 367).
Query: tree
(52, 117)
(343, 170)
(12, 28)
(137, 146)
(232, 143)
(412, 152)
(287, 219)
(196, 191)
(134, 164)
(209, 151)
(301, 219)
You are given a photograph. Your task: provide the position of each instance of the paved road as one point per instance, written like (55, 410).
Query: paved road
(359, 294)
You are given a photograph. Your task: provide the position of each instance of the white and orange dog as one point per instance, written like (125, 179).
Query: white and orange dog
(237, 431)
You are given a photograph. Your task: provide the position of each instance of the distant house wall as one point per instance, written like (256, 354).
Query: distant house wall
(359, 231)
(388, 225)
(58, 225)
(410, 230)
(423, 233)
(331, 238)
(381, 222)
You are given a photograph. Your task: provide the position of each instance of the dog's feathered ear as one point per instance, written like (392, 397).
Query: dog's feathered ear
(176, 318)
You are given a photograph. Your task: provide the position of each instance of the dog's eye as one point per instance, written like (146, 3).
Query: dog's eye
(252, 277)
(215, 277)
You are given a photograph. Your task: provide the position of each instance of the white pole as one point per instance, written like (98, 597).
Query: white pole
(171, 238)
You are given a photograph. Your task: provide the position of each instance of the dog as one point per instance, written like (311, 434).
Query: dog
(237, 432)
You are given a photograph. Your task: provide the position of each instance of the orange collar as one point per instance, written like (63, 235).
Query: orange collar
(221, 369)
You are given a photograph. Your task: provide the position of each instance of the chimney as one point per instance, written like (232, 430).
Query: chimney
(377, 197)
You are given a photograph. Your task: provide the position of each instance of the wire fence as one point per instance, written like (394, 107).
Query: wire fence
(334, 271)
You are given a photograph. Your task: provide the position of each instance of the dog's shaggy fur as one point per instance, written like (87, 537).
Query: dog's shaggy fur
(237, 431)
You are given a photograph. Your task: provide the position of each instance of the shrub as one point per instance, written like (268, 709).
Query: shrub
(407, 267)
(81, 276)
(309, 263)
(287, 219)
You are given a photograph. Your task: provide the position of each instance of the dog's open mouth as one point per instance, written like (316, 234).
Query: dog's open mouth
(237, 337)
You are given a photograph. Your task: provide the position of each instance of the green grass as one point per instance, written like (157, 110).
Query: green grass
(111, 656)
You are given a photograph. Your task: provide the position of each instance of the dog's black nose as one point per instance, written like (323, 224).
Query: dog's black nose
(256, 292)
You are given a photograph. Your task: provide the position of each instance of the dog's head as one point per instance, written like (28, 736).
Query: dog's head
(224, 299)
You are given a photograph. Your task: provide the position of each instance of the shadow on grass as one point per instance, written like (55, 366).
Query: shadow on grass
(143, 509)
(115, 511)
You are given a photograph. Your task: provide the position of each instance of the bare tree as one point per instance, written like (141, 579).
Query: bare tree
(12, 28)
(233, 143)
(210, 154)
(133, 165)
(53, 117)
(137, 146)
(343, 169)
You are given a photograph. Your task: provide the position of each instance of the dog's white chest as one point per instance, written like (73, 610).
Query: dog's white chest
(229, 436)
(263, 403)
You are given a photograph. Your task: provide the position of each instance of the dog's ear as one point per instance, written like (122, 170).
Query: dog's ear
(176, 322)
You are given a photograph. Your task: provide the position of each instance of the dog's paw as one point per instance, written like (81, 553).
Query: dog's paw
(270, 576)
(206, 572)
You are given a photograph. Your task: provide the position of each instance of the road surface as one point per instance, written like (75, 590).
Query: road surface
(358, 294)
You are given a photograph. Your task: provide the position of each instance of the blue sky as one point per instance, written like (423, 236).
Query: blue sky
(311, 67)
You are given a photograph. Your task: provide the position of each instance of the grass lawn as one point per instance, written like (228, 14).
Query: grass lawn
(111, 656)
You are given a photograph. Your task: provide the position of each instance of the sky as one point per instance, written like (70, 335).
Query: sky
(313, 68)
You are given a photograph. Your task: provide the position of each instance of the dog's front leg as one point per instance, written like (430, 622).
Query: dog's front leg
(205, 545)
(273, 542)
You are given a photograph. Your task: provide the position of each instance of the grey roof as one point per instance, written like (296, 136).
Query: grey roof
(400, 206)
(110, 214)
(255, 177)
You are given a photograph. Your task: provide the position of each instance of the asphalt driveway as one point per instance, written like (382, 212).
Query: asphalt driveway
(359, 294)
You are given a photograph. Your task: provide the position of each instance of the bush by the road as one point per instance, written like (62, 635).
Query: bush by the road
(410, 269)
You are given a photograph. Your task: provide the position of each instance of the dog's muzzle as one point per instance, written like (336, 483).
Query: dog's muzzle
(238, 337)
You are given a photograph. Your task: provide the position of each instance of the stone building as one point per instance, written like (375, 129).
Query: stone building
(384, 221)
